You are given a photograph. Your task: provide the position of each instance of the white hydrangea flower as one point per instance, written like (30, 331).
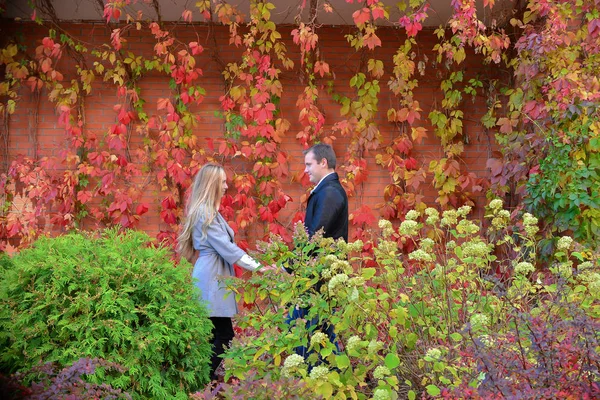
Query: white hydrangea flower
(496, 204)
(449, 217)
(564, 243)
(585, 265)
(531, 230)
(475, 249)
(412, 215)
(318, 338)
(319, 372)
(291, 363)
(464, 211)
(466, 226)
(434, 353)
(337, 280)
(524, 268)
(432, 220)
(357, 245)
(353, 341)
(433, 216)
(594, 286)
(386, 228)
(432, 212)
(381, 372)
(356, 281)
(566, 269)
(427, 244)
(409, 227)
(529, 219)
(331, 258)
(381, 394)
(530, 223)
(293, 360)
(479, 320)
(420, 255)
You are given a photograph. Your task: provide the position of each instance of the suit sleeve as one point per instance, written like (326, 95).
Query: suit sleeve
(326, 211)
(219, 240)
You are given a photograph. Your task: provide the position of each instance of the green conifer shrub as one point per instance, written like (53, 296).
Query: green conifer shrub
(113, 297)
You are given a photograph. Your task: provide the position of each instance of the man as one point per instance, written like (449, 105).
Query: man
(327, 209)
(327, 206)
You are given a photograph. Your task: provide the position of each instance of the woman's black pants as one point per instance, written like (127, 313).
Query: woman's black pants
(222, 335)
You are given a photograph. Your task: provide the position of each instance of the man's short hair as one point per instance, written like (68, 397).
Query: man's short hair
(323, 151)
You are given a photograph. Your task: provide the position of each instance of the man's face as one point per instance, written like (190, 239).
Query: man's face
(315, 170)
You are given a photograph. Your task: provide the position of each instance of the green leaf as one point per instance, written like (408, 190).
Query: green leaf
(342, 361)
(368, 273)
(392, 361)
(433, 390)
(457, 337)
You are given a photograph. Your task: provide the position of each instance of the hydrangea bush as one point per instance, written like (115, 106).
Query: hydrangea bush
(424, 321)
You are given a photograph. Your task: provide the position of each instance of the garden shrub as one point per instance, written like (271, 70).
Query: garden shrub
(251, 388)
(407, 322)
(52, 383)
(114, 297)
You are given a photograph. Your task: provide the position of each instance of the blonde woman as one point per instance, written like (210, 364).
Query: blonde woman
(206, 231)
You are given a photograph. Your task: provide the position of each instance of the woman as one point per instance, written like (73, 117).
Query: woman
(207, 232)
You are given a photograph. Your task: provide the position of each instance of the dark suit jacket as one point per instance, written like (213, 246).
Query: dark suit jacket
(327, 208)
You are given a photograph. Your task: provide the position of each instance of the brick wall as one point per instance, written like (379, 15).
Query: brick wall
(343, 60)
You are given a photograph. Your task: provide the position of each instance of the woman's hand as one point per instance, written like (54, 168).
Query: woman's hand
(265, 268)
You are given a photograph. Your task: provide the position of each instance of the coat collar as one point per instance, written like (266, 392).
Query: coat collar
(331, 177)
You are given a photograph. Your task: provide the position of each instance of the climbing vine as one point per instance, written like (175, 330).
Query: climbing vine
(542, 104)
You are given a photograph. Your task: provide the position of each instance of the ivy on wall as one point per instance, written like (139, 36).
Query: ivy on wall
(543, 113)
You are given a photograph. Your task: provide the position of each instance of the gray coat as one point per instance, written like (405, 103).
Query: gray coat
(218, 253)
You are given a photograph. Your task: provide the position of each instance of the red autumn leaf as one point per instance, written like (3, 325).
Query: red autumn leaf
(378, 12)
(84, 196)
(168, 216)
(418, 134)
(403, 145)
(280, 230)
(283, 200)
(187, 15)
(410, 163)
(371, 40)
(168, 203)
(414, 178)
(388, 211)
(451, 168)
(266, 214)
(412, 28)
(116, 143)
(141, 209)
(364, 215)
(495, 165)
(505, 125)
(361, 16)
(161, 103)
(321, 68)
(274, 207)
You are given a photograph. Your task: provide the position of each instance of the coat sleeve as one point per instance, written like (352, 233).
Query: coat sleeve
(219, 240)
(326, 211)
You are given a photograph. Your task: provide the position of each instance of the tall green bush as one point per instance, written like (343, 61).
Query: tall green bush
(114, 297)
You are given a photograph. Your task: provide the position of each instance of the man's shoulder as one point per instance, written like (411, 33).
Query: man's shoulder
(333, 188)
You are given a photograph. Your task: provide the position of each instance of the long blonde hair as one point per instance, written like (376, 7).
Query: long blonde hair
(204, 201)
